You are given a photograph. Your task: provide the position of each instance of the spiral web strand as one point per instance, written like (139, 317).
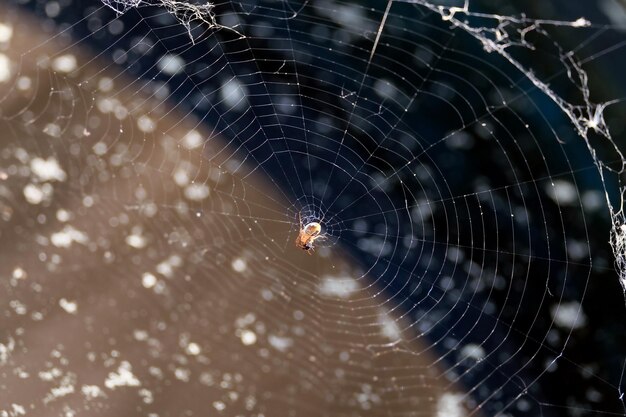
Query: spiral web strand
(151, 194)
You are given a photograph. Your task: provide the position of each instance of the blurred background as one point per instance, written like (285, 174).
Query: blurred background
(158, 159)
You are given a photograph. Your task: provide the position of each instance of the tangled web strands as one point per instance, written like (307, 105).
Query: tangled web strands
(186, 13)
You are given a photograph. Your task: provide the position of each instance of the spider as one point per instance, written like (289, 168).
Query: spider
(309, 233)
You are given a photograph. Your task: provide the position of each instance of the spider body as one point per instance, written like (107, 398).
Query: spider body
(308, 234)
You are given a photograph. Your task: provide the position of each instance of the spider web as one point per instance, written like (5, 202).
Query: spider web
(460, 160)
